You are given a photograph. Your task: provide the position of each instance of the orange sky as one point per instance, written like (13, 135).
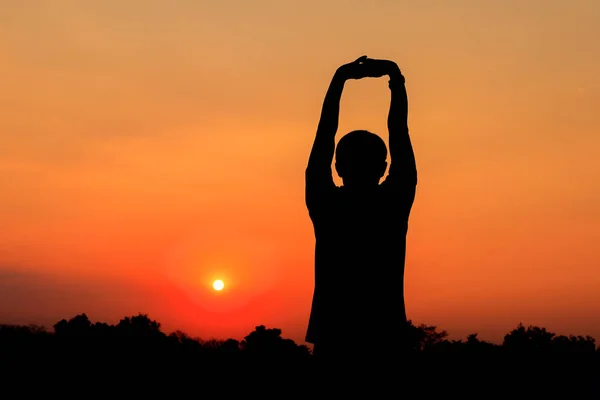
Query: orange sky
(149, 147)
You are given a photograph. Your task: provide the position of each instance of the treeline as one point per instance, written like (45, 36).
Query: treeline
(142, 334)
(137, 354)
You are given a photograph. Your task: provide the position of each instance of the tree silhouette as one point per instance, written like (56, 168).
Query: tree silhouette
(230, 346)
(137, 344)
(268, 342)
(139, 326)
(425, 337)
(574, 344)
(79, 325)
(528, 340)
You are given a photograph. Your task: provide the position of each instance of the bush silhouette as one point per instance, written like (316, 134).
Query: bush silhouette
(137, 346)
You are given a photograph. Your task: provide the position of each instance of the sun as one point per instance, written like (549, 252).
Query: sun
(218, 285)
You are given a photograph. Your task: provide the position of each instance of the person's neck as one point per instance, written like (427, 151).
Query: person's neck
(361, 188)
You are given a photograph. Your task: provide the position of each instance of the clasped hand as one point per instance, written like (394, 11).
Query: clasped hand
(364, 67)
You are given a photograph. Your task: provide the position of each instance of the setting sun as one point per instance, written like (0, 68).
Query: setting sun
(218, 284)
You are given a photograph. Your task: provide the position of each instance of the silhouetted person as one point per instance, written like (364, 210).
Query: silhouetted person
(360, 227)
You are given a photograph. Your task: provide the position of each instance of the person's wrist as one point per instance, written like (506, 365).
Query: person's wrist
(394, 72)
(396, 77)
(340, 75)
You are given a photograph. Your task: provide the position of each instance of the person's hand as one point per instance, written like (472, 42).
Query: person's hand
(353, 70)
(376, 68)
(364, 67)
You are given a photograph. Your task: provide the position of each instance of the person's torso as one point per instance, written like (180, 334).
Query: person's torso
(359, 256)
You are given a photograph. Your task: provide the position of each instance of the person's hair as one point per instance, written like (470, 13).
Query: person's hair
(362, 146)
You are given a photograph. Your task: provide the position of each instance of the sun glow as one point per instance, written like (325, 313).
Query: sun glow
(218, 285)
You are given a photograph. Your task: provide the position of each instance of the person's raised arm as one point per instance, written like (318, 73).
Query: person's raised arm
(318, 172)
(403, 169)
(321, 154)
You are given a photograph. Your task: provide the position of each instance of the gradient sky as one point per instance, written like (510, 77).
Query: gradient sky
(150, 147)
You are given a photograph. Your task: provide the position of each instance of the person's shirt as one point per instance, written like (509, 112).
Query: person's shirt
(359, 253)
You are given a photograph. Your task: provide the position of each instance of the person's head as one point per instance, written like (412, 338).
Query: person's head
(360, 159)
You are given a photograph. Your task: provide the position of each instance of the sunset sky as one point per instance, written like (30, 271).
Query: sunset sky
(150, 147)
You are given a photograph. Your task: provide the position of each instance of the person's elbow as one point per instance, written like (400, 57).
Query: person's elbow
(308, 173)
(405, 170)
(315, 169)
